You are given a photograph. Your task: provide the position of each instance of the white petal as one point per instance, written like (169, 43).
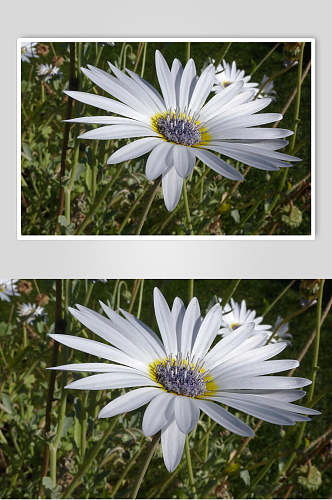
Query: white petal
(226, 345)
(172, 442)
(186, 414)
(165, 80)
(265, 412)
(158, 161)
(176, 72)
(158, 414)
(190, 326)
(119, 132)
(263, 382)
(107, 104)
(115, 88)
(172, 187)
(178, 312)
(252, 368)
(88, 367)
(218, 165)
(254, 133)
(183, 160)
(165, 322)
(133, 150)
(207, 332)
(213, 106)
(256, 355)
(188, 77)
(202, 89)
(97, 349)
(151, 337)
(123, 339)
(224, 418)
(123, 378)
(129, 401)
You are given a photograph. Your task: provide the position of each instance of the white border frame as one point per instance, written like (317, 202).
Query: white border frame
(311, 237)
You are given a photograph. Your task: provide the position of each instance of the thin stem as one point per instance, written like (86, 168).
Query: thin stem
(147, 208)
(144, 59)
(312, 387)
(140, 299)
(55, 444)
(232, 291)
(191, 289)
(59, 328)
(313, 335)
(72, 86)
(228, 46)
(186, 206)
(264, 59)
(69, 187)
(188, 51)
(88, 461)
(134, 292)
(189, 465)
(314, 368)
(276, 300)
(152, 448)
(98, 202)
(127, 469)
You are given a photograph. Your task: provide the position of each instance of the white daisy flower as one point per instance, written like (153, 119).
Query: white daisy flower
(179, 126)
(28, 51)
(227, 74)
(282, 334)
(268, 90)
(8, 288)
(235, 315)
(30, 312)
(180, 375)
(48, 71)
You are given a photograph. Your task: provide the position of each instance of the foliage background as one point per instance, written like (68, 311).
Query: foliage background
(24, 386)
(111, 200)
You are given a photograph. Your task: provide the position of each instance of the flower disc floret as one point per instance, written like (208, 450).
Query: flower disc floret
(178, 128)
(179, 376)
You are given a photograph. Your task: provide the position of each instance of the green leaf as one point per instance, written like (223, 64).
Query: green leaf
(7, 403)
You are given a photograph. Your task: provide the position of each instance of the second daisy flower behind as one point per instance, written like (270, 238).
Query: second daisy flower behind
(185, 371)
(180, 125)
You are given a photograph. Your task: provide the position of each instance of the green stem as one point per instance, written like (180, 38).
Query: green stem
(189, 465)
(188, 51)
(25, 337)
(88, 461)
(281, 294)
(98, 202)
(146, 463)
(147, 208)
(191, 289)
(69, 187)
(55, 444)
(140, 299)
(223, 55)
(264, 58)
(132, 208)
(127, 469)
(144, 59)
(232, 291)
(314, 368)
(312, 387)
(186, 206)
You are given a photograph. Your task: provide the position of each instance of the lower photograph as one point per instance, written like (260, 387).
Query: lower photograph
(172, 388)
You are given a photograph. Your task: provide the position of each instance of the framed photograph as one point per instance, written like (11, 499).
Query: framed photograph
(166, 138)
